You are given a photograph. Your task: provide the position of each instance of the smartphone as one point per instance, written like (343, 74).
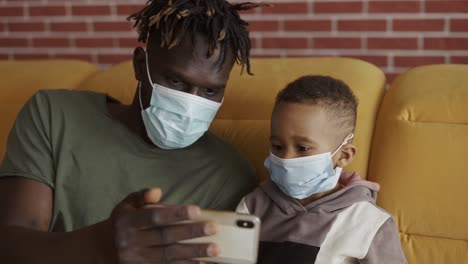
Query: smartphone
(238, 237)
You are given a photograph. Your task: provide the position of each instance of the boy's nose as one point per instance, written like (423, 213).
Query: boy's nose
(288, 154)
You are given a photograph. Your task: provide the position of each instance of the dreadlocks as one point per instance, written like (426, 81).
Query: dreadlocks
(218, 20)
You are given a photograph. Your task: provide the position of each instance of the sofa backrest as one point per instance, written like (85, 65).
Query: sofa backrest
(418, 156)
(245, 115)
(19, 80)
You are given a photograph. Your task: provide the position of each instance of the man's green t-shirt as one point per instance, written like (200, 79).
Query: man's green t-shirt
(68, 140)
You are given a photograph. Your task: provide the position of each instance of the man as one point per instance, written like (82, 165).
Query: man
(72, 156)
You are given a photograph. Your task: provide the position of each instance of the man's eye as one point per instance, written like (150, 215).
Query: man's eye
(177, 83)
(209, 91)
(303, 148)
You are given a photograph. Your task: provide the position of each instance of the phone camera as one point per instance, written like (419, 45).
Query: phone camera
(245, 224)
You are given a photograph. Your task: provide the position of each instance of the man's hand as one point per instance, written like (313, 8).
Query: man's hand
(144, 232)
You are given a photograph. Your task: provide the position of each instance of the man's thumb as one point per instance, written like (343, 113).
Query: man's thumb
(152, 196)
(144, 197)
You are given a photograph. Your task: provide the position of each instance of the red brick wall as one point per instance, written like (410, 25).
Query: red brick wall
(394, 35)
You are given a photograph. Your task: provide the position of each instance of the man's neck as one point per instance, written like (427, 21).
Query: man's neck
(129, 116)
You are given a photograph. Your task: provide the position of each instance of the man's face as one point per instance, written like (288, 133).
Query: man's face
(186, 68)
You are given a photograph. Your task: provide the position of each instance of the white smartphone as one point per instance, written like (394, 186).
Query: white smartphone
(238, 237)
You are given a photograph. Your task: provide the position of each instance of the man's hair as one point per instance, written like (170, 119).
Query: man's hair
(218, 20)
(334, 95)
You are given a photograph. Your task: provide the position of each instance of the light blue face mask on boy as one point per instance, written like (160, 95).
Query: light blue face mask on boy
(176, 119)
(303, 177)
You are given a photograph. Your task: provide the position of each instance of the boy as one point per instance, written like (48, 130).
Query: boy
(311, 211)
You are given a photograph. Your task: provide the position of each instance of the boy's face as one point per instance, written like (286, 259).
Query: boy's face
(304, 129)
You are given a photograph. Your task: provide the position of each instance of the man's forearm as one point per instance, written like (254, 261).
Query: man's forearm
(93, 244)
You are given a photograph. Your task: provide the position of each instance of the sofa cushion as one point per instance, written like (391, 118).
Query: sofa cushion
(21, 79)
(418, 157)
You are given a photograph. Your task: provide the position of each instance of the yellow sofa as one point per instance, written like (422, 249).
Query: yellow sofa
(411, 139)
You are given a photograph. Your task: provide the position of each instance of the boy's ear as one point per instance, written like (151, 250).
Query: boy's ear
(347, 154)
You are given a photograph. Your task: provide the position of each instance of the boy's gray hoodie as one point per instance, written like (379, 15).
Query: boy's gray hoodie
(343, 227)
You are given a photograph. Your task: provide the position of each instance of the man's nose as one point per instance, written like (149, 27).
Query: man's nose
(194, 90)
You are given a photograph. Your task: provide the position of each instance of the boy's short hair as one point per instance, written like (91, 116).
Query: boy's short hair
(333, 94)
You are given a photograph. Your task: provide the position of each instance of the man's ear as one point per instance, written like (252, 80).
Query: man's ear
(139, 63)
(347, 154)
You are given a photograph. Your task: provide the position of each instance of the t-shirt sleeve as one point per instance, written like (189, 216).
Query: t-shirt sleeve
(29, 147)
(386, 246)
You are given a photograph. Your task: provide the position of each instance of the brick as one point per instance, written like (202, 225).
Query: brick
(83, 57)
(337, 7)
(433, 6)
(47, 11)
(392, 43)
(362, 25)
(25, 27)
(410, 6)
(254, 43)
(13, 42)
(285, 43)
(286, 8)
(129, 9)
(459, 59)
(129, 42)
(68, 26)
(94, 42)
(51, 42)
(413, 61)
(264, 25)
(446, 43)
(91, 10)
(307, 25)
(114, 58)
(459, 25)
(112, 26)
(381, 61)
(337, 43)
(31, 56)
(11, 11)
(418, 25)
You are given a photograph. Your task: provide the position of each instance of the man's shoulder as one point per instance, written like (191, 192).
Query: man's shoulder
(65, 97)
(66, 103)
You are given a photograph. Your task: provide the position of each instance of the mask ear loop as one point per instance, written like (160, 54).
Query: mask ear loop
(147, 69)
(345, 141)
(139, 94)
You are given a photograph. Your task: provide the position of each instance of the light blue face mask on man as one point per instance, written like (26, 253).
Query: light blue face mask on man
(176, 119)
(303, 177)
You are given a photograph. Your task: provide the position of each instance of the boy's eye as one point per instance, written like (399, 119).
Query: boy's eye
(303, 148)
(276, 147)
